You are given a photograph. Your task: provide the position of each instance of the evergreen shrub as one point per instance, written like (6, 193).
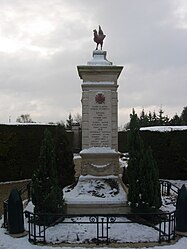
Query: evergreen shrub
(47, 196)
(142, 173)
(169, 150)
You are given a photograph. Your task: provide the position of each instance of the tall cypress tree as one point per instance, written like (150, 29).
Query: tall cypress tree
(64, 158)
(144, 119)
(183, 116)
(135, 147)
(46, 194)
(142, 172)
(149, 192)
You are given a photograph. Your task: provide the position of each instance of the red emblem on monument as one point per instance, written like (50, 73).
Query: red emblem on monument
(100, 98)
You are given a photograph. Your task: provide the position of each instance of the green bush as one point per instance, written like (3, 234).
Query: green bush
(142, 172)
(47, 196)
(169, 150)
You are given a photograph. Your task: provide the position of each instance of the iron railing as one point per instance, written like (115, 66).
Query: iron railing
(164, 225)
(167, 227)
(165, 221)
(167, 188)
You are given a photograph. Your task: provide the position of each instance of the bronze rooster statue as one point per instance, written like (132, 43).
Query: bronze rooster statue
(99, 37)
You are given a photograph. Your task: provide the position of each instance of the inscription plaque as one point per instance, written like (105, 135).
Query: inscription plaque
(100, 119)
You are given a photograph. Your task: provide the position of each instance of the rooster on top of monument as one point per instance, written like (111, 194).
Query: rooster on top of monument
(99, 37)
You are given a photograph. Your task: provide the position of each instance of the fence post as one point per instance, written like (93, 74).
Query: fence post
(161, 187)
(174, 217)
(97, 219)
(102, 226)
(44, 227)
(169, 228)
(107, 227)
(27, 214)
(160, 227)
(168, 188)
(29, 191)
(34, 223)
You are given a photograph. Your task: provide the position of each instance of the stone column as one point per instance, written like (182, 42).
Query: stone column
(99, 115)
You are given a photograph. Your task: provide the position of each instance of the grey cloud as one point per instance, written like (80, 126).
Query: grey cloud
(42, 78)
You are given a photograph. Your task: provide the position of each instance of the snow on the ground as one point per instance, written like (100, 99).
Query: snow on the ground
(164, 128)
(77, 233)
(8, 242)
(167, 203)
(178, 183)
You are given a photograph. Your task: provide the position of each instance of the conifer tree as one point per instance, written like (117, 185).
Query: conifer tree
(160, 117)
(135, 146)
(154, 119)
(184, 116)
(46, 194)
(150, 119)
(176, 120)
(142, 172)
(149, 196)
(144, 120)
(64, 158)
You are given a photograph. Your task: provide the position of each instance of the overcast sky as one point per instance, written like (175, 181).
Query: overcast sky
(43, 41)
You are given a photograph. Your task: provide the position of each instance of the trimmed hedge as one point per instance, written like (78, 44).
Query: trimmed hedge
(20, 149)
(122, 141)
(169, 150)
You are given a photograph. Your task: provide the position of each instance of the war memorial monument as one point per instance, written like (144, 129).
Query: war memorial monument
(99, 188)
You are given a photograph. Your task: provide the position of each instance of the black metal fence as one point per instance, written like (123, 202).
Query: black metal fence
(162, 223)
(167, 188)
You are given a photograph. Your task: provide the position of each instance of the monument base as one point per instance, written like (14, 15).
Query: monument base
(96, 195)
(99, 161)
(97, 209)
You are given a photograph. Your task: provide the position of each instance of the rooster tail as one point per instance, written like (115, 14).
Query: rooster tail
(100, 31)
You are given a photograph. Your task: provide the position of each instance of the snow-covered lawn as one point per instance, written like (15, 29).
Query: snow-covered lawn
(78, 232)
(81, 233)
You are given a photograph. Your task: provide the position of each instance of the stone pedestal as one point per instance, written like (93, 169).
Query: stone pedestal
(100, 157)
(96, 195)
(99, 161)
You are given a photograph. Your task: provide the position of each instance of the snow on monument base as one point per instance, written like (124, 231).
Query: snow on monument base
(99, 189)
(96, 195)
